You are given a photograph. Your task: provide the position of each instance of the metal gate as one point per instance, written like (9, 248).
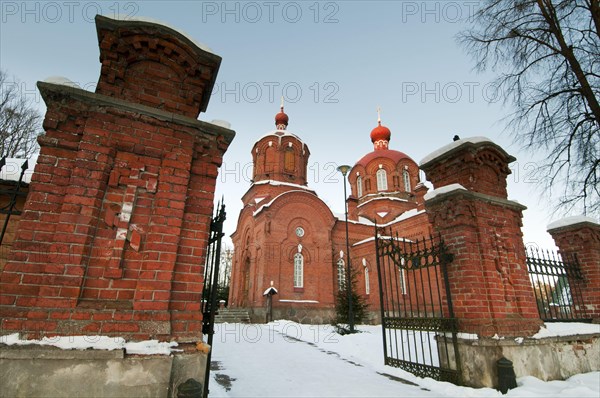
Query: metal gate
(12, 194)
(557, 280)
(419, 328)
(211, 285)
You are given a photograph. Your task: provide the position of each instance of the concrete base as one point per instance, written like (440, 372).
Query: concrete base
(42, 371)
(554, 358)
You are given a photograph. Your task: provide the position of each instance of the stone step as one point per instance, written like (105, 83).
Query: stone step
(235, 315)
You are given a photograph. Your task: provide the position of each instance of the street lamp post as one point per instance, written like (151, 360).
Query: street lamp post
(344, 170)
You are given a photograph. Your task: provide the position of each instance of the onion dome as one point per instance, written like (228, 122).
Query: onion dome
(380, 135)
(281, 119)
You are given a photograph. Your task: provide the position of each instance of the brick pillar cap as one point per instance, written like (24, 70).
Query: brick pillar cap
(456, 146)
(572, 222)
(194, 56)
(103, 21)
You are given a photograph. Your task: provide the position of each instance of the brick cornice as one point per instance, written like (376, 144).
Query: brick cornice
(443, 197)
(50, 91)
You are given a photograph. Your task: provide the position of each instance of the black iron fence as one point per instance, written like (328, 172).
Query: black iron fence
(556, 280)
(211, 285)
(419, 327)
(11, 194)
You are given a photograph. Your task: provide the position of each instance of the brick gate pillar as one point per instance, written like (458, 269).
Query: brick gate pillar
(113, 234)
(581, 236)
(489, 283)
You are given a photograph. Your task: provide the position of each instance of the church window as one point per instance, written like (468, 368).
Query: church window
(359, 190)
(270, 161)
(341, 269)
(298, 270)
(367, 287)
(381, 180)
(289, 160)
(406, 177)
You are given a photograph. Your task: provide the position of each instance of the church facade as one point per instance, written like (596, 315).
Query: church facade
(288, 238)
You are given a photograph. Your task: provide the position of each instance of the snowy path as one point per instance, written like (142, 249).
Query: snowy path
(260, 361)
(286, 359)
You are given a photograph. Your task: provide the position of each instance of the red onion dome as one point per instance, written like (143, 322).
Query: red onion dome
(380, 133)
(281, 120)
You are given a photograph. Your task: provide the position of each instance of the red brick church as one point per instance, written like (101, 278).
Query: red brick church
(288, 237)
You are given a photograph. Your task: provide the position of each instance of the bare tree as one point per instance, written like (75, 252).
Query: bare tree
(547, 53)
(20, 121)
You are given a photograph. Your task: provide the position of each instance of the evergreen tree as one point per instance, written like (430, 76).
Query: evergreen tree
(359, 305)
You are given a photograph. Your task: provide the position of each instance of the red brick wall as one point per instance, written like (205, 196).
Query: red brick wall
(114, 231)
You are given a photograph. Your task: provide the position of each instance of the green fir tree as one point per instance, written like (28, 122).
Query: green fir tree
(359, 305)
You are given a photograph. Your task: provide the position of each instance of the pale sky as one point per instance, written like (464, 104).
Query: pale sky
(333, 62)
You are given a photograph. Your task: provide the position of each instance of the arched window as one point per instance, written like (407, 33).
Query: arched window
(406, 177)
(289, 160)
(270, 160)
(298, 270)
(367, 287)
(341, 274)
(381, 180)
(359, 190)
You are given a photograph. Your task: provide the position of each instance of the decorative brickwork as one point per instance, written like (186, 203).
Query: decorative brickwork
(488, 278)
(113, 234)
(582, 238)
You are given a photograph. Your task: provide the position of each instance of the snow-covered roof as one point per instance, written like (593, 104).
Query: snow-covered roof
(568, 221)
(372, 238)
(365, 221)
(128, 18)
(455, 144)
(222, 123)
(280, 134)
(148, 347)
(442, 190)
(261, 208)
(62, 81)
(361, 220)
(404, 216)
(271, 289)
(282, 183)
(383, 198)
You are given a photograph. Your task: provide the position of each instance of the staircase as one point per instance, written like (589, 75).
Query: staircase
(232, 315)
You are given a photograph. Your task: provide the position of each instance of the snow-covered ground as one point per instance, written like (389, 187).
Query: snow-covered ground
(287, 359)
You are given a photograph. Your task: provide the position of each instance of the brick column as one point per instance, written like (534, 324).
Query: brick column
(580, 236)
(113, 234)
(489, 283)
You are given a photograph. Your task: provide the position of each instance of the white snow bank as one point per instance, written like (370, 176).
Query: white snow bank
(553, 329)
(442, 190)
(449, 147)
(567, 221)
(148, 347)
